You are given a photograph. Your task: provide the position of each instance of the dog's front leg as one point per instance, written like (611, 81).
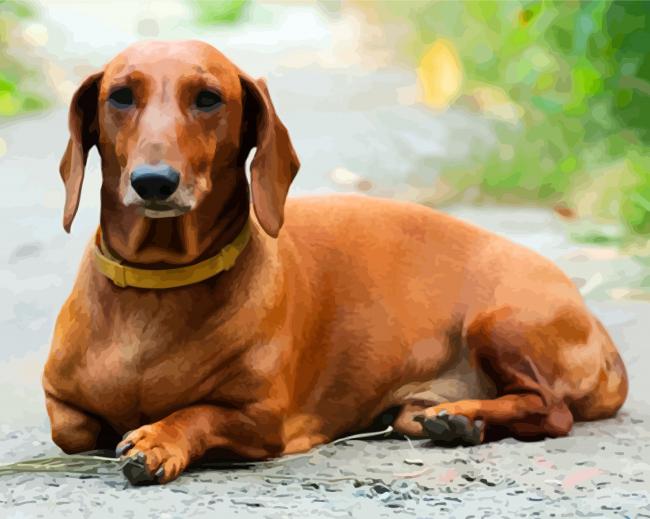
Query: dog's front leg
(73, 430)
(168, 446)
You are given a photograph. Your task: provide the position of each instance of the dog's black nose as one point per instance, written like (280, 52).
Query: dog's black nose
(154, 182)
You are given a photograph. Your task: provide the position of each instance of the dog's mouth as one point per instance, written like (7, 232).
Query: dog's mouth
(162, 209)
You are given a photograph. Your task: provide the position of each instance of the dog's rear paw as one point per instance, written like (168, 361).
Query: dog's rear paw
(451, 430)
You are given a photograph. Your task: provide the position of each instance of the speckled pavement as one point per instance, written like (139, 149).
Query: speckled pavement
(600, 471)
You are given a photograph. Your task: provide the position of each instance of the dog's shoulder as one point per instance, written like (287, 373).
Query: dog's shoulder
(76, 315)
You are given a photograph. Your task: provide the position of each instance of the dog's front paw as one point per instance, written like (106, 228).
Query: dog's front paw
(153, 454)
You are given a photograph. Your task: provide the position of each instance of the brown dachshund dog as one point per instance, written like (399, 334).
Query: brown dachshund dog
(331, 311)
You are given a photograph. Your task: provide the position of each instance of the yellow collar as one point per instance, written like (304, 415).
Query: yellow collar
(124, 276)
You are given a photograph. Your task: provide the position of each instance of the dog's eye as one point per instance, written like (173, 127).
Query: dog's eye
(207, 100)
(121, 98)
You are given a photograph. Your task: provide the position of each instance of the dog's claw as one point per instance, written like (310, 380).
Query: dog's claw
(160, 473)
(120, 451)
(126, 434)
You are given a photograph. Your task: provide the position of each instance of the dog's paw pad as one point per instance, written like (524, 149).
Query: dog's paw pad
(450, 430)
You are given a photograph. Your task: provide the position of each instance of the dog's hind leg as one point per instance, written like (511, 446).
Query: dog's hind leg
(542, 369)
(610, 392)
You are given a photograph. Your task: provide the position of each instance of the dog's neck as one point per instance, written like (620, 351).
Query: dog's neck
(155, 243)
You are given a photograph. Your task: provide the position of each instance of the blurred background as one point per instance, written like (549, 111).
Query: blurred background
(512, 102)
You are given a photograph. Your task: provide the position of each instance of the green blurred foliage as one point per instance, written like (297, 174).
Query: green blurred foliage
(635, 208)
(16, 96)
(211, 12)
(581, 73)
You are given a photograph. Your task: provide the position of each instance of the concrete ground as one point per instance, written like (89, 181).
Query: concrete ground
(352, 130)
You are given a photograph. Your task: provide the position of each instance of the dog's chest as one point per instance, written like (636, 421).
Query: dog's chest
(144, 368)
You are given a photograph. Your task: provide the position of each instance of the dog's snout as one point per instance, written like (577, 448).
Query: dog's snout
(154, 183)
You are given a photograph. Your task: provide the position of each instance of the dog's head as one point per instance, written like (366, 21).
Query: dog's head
(174, 123)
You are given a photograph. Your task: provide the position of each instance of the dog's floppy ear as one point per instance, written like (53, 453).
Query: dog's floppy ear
(84, 132)
(275, 163)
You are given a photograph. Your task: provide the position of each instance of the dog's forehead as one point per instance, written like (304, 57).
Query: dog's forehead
(172, 59)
